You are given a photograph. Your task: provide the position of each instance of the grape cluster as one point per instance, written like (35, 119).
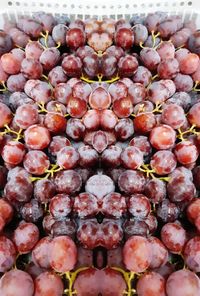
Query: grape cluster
(99, 166)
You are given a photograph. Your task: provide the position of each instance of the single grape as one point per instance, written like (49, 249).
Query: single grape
(186, 152)
(140, 34)
(49, 58)
(26, 115)
(174, 237)
(32, 211)
(144, 122)
(173, 115)
(191, 254)
(76, 107)
(62, 254)
(139, 206)
(142, 75)
(31, 68)
(124, 129)
(13, 152)
(111, 156)
(159, 253)
(75, 129)
(36, 162)
(72, 66)
(183, 282)
(48, 283)
(155, 190)
(60, 206)
(16, 282)
(68, 182)
(124, 38)
(37, 137)
(6, 115)
(7, 254)
(150, 58)
(26, 235)
(131, 181)
(166, 50)
(56, 76)
(99, 99)
(131, 157)
(193, 115)
(123, 107)
(88, 156)
(162, 137)
(167, 211)
(163, 162)
(44, 190)
(67, 157)
(151, 283)
(137, 254)
(127, 65)
(33, 50)
(75, 38)
(168, 68)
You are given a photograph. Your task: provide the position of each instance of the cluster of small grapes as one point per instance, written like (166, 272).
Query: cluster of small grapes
(99, 143)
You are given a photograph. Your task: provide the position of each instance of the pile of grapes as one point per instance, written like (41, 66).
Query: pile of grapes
(99, 165)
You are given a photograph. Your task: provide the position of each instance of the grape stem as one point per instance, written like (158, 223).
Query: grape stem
(191, 130)
(145, 168)
(49, 173)
(129, 277)
(154, 36)
(42, 108)
(8, 130)
(18, 46)
(58, 44)
(4, 86)
(99, 76)
(71, 277)
(45, 36)
(158, 108)
(54, 169)
(195, 86)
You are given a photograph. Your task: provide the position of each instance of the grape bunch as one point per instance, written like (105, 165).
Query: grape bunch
(99, 156)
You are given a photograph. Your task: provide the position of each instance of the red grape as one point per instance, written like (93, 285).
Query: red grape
(159, 253)
(132, 157)
(48, 283)
(191, 254)
(36, 162)
(151, 283)
(186, 152)
(183, 282)
(60, 206)
(67, 157)
(26, 235)
(173, 236)
(163, 162)
(13, 152)
(162, 137)
(139, 206)
(62, 254)
(137, 254)
(7, 254)
(16, 282)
